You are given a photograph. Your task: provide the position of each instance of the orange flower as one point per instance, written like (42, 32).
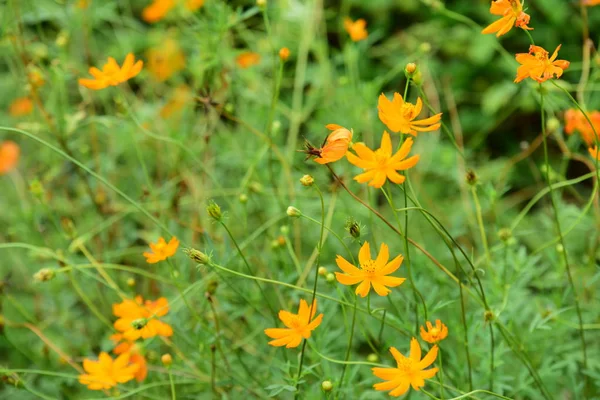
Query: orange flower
(380, 165)
(512, 15)
(336, 145)
(372, 272)
(434, 334)
(537, 66)
(9, 156)
(135, 352)
(161, 250)
(165, 60)
(356, 29)
(591, 2)
(410, 371)
(575, 120)
(106, 372)
(140, 319)
(298, 326)
(83, 4)
(21, 106)
(112, 74)
(247, 59)
(181, 97)
(399, 116)
(284, 54)
(157, 10)
(193, 5)
(594, 152)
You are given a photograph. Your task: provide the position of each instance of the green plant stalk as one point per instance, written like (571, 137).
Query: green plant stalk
(218, 331)
(314, 292)
(172, 384)
(349, 348)
(180, 291)
(334, 233)
(562, 240)
(441, 375)
(479, 214)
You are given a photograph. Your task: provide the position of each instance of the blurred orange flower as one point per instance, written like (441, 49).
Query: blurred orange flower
(575, 120)
(21, 106)
(182, 96)
(594, 152)
(247, 59)
(139, 319)
(193, 5)
(298, 326)
(356, 29)
(591, 2)
(112, 74)
(434, 334)
(134, 351)
(380, 165)
(165, 60)
(157, 10)
(372, 272)
(399, 116)
(9, 156)
(161, 250)
(512, 15)
(106, 372)
(410, 371)
(537, 66)
(336, 145)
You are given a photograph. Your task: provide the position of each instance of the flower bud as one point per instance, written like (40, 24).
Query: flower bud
(197, 256)
(330, 277)
(255, 187)
(261, 3)
(505, 234)
(284, 54)
(211, 288)
(372, 358)
(322, 271)
(131, 282)
(293, 212)
(214, 210)
(471, 177)
(353, 228)
(36, 189)
(560, 248)
(284, 230)
(410, 69)
(552, 125)
(243, 198)
(44, 275)
(327, 386)
(488, 316)
(139, 323)
(307, 180)
(166, 359)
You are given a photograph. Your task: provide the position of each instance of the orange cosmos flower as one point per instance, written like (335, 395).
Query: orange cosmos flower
(399, 116)
(247, 59)
(9, 156)
(537, 66)
(356, 29)
(161, 250)
(298, 326)
(591, 2)
(336, 145)
(575, 120)
(410, 371)
(106, 372)
(372, 272)
(21, 106)
(512, 15)
(165, 60)
(112, 74)
(434, 334)
(135, 352)
(594, 152)
(380, 165)
(140, 319)
(157, 10)
(193, 5)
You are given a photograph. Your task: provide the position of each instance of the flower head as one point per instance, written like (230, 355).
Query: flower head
(380, 165)
(132, 311)
(537, 66)
(9, 156)
(298, 326)
(434, 334)
(193, 5)
(410, 371)
(372, 272)
(247, 59)
(157, 10)
(106, 372)
(512, 15)
(356, 29)
(21, 106)
(336, 144)
(161, 250)
(399, 116)
(134, 351)
(591, 2)
(575, 120)
(165, 60)
(112, 74)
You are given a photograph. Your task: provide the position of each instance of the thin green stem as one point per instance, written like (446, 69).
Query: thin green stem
(172, 384)
(441, 375)
(349, 348)
(479, 214)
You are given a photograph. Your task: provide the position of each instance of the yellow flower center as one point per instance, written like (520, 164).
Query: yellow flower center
(541, 55)
(381, 158)
(296, 323)
(434, 332)
(369, 267)
(406, 365)
(408, 110)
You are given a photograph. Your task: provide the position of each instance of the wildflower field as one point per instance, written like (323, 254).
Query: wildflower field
(299, 199)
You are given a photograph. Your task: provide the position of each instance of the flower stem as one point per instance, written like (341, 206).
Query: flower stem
(441, 375)
(484, 241)
(173, 396)
(349, 347)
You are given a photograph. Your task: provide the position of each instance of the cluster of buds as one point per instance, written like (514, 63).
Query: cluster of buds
(44, 275)
(197, 256)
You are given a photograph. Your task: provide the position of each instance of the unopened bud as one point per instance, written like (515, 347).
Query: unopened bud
(284, 54)
(139, 323)
(44, 275)
(471, 177)
(197, 256)
(552, 125)
(327, 386)
(293, 212)
(131, 282)
(166, 359)
(372, 358)
(255, 187)
(488, 316)
(243, 198)
(330, 277)
(261, 3)
(214, 210)
(211, 288)
(353, 228)
(560, 248)
(410, 69)
(322, 271)
(505, 234)
(36, 189)
(307, 180)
